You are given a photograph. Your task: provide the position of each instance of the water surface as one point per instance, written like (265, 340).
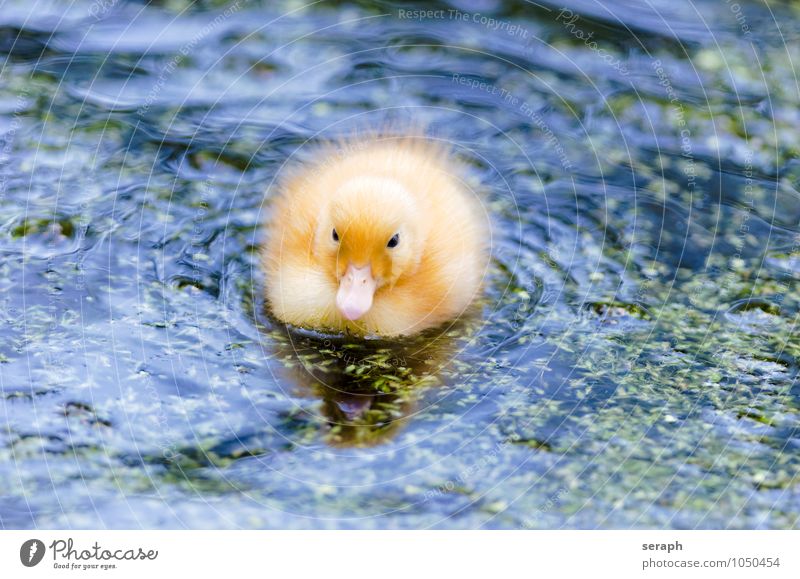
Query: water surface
(634, 360)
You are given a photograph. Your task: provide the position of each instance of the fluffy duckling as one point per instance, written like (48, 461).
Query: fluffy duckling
(378, 236)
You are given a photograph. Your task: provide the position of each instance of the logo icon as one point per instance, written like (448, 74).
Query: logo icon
(31, 553)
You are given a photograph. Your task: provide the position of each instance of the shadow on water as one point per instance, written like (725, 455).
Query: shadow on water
(368, 388)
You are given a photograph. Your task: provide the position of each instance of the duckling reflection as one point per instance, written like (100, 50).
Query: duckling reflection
(368, 389)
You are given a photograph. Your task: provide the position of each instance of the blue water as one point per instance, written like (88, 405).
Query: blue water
(633, 363)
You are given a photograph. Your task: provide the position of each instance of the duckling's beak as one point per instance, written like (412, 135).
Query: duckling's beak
(356, 288)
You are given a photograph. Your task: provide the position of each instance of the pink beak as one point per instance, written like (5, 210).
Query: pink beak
(356, 288)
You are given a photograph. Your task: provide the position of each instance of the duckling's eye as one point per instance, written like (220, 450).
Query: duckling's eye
(394, 240)
(335, 236)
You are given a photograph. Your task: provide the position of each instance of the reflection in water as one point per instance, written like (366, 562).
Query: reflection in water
(368, 388)
(638, 344)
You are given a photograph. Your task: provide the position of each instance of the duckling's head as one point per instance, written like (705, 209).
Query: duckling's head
(368, 237)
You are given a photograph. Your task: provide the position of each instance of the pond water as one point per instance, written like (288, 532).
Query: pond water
(633, 363)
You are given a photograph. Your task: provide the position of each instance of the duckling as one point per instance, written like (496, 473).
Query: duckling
(379, 236)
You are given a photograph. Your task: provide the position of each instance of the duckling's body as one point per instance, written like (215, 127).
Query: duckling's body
(378, 236)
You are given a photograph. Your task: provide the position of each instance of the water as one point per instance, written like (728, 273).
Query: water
(634, 360)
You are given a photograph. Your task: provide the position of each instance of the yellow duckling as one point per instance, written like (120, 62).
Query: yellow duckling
(379, 236)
